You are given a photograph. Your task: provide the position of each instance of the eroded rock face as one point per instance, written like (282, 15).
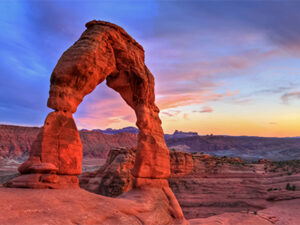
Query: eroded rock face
(182, 163)
(55, 156)
(16, 141)
(205, 185)
(58, 144)
(114, 177)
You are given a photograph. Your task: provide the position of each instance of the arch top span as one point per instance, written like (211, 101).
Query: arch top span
(116, 27)
(104, 50)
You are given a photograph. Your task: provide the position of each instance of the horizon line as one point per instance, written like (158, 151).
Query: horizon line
(201, 135)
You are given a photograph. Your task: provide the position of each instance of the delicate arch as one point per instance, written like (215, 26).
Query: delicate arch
(104, 51)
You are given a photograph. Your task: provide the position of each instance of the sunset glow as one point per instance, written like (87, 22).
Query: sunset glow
(235, 74)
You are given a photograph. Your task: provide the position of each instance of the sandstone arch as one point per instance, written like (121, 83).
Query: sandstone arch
(104, 51)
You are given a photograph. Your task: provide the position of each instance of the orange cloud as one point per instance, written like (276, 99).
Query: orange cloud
(173, 101)
(205, 109)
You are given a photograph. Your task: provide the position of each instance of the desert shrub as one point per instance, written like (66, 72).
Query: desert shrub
(290, 188)
(294, 165)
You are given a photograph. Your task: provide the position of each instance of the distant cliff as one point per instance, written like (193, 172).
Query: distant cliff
(15, 142)
(246, 147)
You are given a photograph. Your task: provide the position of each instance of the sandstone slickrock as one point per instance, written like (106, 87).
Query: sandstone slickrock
(77, 206)
(104, 51)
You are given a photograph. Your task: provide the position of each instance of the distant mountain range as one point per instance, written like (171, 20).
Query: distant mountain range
(134, 130)
(111, 131)
(15, 142)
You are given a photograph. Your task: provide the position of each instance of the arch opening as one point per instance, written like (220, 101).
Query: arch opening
(104, 108)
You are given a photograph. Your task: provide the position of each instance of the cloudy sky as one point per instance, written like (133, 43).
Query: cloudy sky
(221, 67)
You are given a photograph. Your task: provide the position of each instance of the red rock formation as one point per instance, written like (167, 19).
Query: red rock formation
(57, 149)
(104, 51)
(55, 156)
(114, 177)
(205, 185)
(182, 163)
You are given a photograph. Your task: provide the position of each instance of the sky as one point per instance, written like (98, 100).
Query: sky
(220, 67)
